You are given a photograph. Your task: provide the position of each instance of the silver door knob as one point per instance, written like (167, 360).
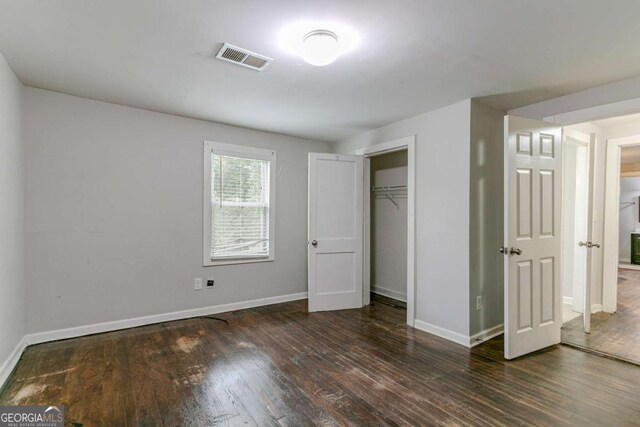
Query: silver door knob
(314, 243)
(589, 245)
(504, 250)
(515, 251)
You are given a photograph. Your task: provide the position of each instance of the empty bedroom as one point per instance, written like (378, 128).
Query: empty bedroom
(361, 213)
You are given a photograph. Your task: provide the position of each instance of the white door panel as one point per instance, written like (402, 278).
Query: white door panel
(335, 231)
(533, 186)
(578, 221)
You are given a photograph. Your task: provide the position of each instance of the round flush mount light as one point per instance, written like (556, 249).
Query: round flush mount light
(318, 43)
(320, 47)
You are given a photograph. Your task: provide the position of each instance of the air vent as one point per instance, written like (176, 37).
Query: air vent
(243, 57)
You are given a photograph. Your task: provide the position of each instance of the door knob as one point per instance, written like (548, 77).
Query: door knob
(515, 251)
(504, 250)
(589, 245)
(314, 243)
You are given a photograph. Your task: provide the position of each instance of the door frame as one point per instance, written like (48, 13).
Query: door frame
(407, 143)
(611, 242)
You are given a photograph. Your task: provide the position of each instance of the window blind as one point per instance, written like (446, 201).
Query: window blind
(239, 207)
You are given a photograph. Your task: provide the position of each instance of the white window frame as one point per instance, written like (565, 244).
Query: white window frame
(247, 153)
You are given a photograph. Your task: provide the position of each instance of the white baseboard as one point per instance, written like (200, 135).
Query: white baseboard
(10, 363)
(389, 293)
(625, 260)
(96, 328)
(486, 335)
(447, 334)
(595, 308)
(458, 338)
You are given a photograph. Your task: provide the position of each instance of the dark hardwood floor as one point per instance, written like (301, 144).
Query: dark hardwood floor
(280, 365)
(616, 334)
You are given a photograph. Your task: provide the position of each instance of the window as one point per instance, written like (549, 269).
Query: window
(239, 189)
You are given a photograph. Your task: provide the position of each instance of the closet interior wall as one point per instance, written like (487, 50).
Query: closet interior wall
(389, 225)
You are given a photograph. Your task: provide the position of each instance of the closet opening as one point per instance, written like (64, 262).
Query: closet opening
(387, 223)
(389, 198)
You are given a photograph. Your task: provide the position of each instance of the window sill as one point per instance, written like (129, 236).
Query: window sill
(218, 262)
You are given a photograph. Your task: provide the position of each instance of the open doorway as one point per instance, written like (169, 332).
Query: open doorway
(629, 220)
(389, 224)
(613, 316)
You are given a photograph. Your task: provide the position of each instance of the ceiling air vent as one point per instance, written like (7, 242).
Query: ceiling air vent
(243, 57)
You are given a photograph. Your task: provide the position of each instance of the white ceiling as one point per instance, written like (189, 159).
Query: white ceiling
(414, 56)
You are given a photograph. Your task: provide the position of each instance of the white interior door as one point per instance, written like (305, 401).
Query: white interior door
(577, 222)
(335, 231)
(533, 196)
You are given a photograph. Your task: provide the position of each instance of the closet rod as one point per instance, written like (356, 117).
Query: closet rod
(389, 188)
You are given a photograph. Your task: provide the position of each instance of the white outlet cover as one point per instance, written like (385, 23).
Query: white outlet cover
(197, 283)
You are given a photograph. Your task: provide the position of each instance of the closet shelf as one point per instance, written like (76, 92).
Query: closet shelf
(390, 192)
(389, 188)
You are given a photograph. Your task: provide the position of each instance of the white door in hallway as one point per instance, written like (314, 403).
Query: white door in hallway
(533, 196)
(578, 221)
(335, 247)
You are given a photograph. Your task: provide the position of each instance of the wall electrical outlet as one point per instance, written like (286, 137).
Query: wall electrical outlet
(210, 282)
(479, 303)
(197, 283)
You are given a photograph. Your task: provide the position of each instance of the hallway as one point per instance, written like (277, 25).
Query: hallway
(615, 334)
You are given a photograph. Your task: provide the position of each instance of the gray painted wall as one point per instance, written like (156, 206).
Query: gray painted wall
(629, 192)
(12, 318)
(486, 216)
(389, 227)
(442, 209)
(114, 213)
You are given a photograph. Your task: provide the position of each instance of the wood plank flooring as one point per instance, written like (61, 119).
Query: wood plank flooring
(616, 334)
(280, 365)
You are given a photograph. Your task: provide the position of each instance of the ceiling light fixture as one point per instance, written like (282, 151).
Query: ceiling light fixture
(318, 43)
(320, 47)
